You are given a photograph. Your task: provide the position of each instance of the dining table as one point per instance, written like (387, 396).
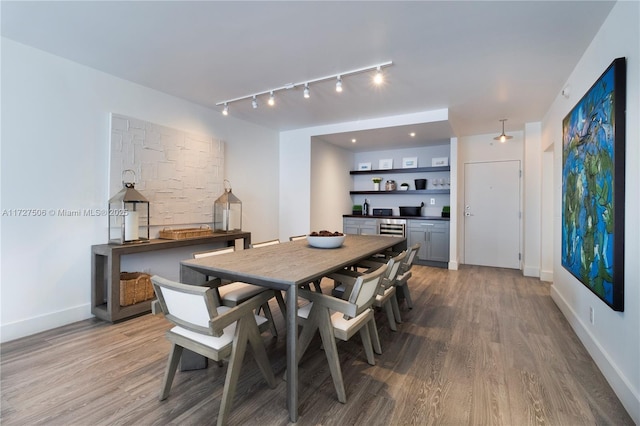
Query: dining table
(286, 267)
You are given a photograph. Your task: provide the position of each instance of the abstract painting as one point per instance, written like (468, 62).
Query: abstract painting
(593, 165)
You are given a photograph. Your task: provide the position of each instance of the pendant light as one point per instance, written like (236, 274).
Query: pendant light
(503, 137)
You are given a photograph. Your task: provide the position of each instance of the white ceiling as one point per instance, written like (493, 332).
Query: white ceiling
(481, 60)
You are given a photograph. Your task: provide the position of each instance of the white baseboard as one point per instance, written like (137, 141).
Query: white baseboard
(29, 326)
(453, 266)
(546, 276)
(619, 383)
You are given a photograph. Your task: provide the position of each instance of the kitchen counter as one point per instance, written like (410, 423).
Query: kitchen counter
(397, 217)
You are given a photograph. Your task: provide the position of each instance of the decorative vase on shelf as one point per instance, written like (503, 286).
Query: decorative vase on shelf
(376, 183)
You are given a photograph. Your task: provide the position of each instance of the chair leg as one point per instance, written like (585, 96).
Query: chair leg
(331, 351)
(267, 313)
(389, 310)
(170, 371)
(375, 339)
(407, 296)
(233, 370)
(316, 285)
(396, 309)
(260, 353)
(281, 304)
(366, 342)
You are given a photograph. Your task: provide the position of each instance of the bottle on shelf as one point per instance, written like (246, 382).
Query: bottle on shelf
(365, 208)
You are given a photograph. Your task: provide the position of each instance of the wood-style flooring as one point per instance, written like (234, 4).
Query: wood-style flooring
(482, 346)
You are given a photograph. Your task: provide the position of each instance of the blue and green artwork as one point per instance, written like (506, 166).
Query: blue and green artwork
(590, 178)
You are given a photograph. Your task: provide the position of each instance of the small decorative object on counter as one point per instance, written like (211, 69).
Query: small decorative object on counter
(404, 186)
(446, 211)
(356, 210)
(365, 208)
(227, 211)
(390, 185)
(128, 214)
(376, 183)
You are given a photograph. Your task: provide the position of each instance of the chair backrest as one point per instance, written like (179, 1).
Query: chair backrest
(189, 306)
(365, 288)
(298, 237)
(215, 252)
(408, 261)
(393, 265)
(265, 243)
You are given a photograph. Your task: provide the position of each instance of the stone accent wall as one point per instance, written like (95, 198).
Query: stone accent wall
(180, 173)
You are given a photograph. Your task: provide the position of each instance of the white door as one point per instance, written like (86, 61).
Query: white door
(492, 214)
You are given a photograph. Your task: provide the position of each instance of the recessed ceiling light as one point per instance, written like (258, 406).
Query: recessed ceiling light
(353, 140)
(412, 134)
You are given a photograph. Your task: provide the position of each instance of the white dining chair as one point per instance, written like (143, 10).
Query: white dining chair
(264, 243)
(233, 293)
(341, 319)
(216, 332)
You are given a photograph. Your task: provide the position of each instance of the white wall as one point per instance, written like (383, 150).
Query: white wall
(55, 151)
(614, 339)
(329, 170)
(531, 181)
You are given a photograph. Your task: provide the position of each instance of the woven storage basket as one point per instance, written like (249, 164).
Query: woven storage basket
(182, 234)
(135, 287)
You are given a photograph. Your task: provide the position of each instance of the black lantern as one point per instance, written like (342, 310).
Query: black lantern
(227, 212)
(128, 215)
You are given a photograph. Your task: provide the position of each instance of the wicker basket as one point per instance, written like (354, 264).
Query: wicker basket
(135, 287)
(181, 234)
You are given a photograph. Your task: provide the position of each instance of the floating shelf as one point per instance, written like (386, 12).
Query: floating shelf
(414, 170)
(409, 191)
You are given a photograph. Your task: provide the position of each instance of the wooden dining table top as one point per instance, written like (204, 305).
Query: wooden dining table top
(290, 263)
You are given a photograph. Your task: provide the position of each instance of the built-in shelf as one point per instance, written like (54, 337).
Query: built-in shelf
(410, 191)
(413, 170)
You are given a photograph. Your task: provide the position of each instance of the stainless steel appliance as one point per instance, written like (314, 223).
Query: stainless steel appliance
(395, 227)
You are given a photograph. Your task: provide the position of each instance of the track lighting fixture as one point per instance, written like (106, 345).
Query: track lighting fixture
(378, 79)
(503, 137)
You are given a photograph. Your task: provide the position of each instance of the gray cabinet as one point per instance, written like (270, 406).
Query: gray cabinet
(357, 226)
(433, 236)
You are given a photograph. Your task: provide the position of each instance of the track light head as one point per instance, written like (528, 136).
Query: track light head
(225, 110)
(254, 102)
(272, 99)
(378, 78)
(306, 91)
(339, 85)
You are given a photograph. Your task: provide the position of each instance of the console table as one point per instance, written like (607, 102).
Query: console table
(105, 271)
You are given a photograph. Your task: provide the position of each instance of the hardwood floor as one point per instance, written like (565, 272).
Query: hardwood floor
(482, 346)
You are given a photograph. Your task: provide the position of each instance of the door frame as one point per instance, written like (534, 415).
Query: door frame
(462, 198)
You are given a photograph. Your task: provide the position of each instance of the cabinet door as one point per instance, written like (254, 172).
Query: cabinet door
(439, 244)
(368, 229)
(417, 235)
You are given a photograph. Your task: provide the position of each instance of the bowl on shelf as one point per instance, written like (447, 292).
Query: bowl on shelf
(325, 242)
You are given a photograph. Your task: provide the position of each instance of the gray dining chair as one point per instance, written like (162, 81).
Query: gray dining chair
(316, 284)
(233, 293)
(216, 332)
(404, 273)
(386, 297)
(341, 319)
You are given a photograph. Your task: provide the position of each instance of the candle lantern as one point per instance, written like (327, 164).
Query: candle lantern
(227, 212)
(128, 215)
